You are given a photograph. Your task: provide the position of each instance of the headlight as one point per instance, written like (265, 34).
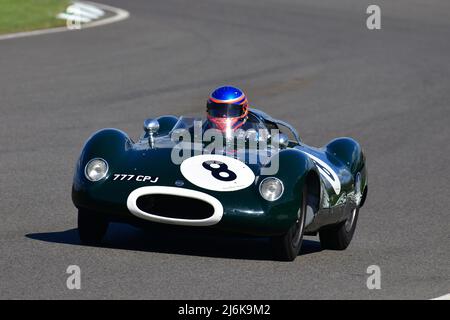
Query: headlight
(96, 169)
(271, 188)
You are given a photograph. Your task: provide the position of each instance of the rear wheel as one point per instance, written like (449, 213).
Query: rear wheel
(338, 237)
(287, 246)
(91, 227)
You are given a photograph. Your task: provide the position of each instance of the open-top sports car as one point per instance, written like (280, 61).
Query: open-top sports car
(174, 175)
(314, 189)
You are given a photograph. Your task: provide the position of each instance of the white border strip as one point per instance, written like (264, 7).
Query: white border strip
(215, 218)
(444, 297)
(89, 8)
(119, 15)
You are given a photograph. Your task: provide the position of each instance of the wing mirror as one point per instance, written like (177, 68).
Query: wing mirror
(151, 126)
(281, 139)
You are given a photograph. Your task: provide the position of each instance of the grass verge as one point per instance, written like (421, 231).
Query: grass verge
(26, 15)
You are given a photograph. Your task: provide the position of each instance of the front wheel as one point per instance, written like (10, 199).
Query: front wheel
(338, 237)
(287, 246)
(92, 227)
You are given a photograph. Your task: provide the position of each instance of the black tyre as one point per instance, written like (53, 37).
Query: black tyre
(338, 237)
(91, 227)
(287, 246)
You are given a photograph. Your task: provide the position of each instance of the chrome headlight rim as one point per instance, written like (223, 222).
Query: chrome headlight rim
(103, 175)
(271, 178)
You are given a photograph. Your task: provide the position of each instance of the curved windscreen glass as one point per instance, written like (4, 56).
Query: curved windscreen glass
(188, 123)
(202, 124)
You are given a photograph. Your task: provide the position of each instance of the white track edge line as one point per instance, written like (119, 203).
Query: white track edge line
(444, 297)
(119, 14)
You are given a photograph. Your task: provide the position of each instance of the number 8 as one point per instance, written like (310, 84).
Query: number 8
(222, 168)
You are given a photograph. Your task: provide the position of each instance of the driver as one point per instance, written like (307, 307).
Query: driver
(227, 109)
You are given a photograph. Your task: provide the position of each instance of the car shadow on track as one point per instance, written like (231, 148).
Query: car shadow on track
(125, 237)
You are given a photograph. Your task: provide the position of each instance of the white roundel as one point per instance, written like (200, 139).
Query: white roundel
(216, 172)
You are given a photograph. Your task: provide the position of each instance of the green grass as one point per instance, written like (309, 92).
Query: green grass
(25, 15)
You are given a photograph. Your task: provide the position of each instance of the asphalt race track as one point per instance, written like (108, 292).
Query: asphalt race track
(312, 63)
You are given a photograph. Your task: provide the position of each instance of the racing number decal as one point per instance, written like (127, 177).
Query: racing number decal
(217, 172)
(328, 173)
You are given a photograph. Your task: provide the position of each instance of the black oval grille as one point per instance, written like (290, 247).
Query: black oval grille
(171, 206)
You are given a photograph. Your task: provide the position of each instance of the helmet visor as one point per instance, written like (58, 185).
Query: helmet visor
(224, 110)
